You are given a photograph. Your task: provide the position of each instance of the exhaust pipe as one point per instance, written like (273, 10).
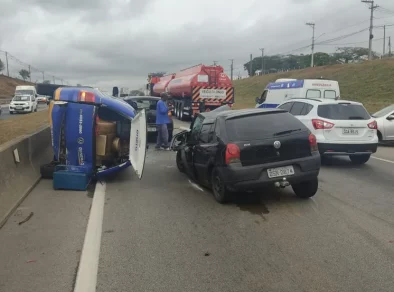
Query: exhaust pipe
(282, 184)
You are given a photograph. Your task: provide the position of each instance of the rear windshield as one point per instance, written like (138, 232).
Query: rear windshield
(343, 112)
(261, 126)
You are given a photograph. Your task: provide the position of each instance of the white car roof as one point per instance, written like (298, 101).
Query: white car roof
(323, 101)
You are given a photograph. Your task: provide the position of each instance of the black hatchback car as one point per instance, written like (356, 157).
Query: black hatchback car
(246, 150)
(149, 104)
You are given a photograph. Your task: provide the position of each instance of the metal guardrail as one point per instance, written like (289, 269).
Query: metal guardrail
(5, 101)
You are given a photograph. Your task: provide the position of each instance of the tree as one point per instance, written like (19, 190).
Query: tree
(24, 74)
(1, 65)
(46, 82)
(157, 74)
(136, 93)
(352, 55)
(79, 85)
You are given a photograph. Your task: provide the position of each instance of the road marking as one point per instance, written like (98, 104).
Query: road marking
(381, 159)
(196, 186)
(88, 265)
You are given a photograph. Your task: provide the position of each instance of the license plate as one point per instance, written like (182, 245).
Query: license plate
(280, 171)
(151, 129)
(347, 131)
(19, 107)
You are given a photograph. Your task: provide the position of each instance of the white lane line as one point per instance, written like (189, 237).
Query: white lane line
(196, 186)
(88, 265)
(381, 159)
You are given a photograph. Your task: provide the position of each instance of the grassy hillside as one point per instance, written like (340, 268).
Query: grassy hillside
(7, 86)
(371, 83)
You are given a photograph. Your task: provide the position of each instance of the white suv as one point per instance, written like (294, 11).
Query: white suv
(341, 127)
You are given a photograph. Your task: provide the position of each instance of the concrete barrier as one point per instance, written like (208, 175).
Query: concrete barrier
(17, 179)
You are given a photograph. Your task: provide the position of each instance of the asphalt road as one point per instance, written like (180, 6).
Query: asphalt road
(5, 114)
(164, 233)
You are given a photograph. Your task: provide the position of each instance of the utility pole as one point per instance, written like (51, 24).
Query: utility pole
(384, 40)
(6, 61)
(43, 76)
(372, 7)
(29, 73)
(262, 61)
(251, 66)
(312, 24)
(390, 46)
(214, 63)
(232, 68)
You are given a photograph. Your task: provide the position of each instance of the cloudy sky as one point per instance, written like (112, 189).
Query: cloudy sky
(117, 43)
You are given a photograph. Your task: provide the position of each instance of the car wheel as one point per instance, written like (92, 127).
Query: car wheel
(220, 191)
(359, 159)
(11, 113)
(179, 162)
(306, 189)
(35, 109)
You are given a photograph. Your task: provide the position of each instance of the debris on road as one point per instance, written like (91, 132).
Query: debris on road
(27, 218)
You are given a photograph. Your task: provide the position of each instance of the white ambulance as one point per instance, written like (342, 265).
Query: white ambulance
(284, 89)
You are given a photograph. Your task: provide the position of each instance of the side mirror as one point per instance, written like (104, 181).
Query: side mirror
(390, 117)
(257, 99)
(179, 140)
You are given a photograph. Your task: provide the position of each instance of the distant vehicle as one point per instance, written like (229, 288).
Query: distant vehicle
(193, 90)
(341, 127)
(385, 120)
(95, 134)
(25, 90)
(281, 91)
(242, 150)
(24, 102)
(42, 99)
(149, 104)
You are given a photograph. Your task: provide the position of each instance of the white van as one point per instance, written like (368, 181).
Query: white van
(25, 100)
(278, 92)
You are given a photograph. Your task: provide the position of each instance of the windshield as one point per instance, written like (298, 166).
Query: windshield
(343, 111)
(383, 112)
(24, 92)
(261, 126)
(21, 98)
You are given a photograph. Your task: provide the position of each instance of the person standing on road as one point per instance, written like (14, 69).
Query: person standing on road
(162, 119)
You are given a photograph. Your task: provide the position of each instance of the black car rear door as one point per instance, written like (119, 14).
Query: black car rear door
(204, 153)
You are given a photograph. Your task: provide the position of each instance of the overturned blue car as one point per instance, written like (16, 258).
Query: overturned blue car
(93, 136)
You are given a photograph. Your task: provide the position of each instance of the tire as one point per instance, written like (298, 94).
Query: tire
(220, 192)
(179, 162)
(306, 189)
(359, 159)
(47, 170)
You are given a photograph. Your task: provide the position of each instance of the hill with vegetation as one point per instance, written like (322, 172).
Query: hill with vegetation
(370, 82)
(8, 84)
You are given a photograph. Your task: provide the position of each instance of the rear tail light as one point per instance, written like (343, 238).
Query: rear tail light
(313, 143)
(373, 125)
(320, 124)
(233, 154)
(86, 96)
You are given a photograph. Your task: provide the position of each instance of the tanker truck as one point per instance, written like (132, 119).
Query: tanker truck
(193, 90)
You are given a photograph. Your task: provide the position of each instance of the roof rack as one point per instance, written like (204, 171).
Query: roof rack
(315, 99)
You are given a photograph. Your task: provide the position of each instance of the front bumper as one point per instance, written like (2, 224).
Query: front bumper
(347, 149)
(243, 178)
(24, 109)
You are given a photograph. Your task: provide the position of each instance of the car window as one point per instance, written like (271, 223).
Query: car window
(261, 126)
(306, 109)
(343, 111)
(286, 106)
(330, 94)
(297, 108)
(196, 128)
(313, 93)
(264, 95)
(204, 134)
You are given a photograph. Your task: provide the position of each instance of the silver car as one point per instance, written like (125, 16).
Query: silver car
(385, 120)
